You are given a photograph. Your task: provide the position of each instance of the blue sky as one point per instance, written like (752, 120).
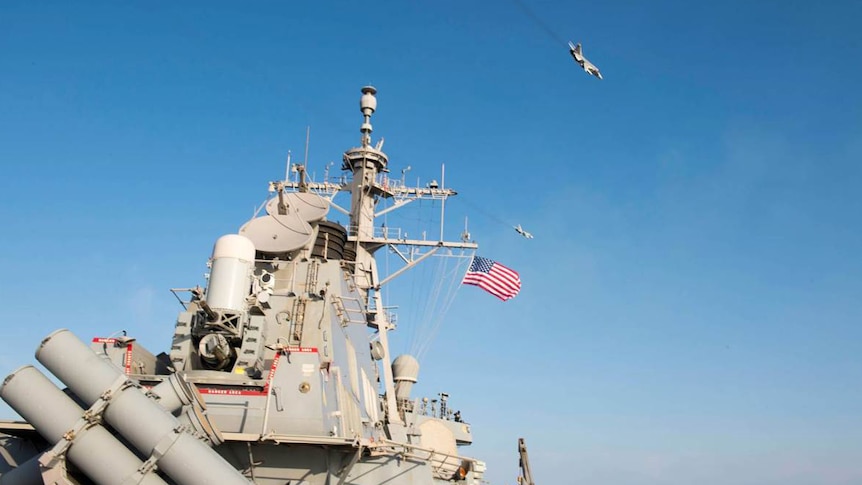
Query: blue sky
(690, 310)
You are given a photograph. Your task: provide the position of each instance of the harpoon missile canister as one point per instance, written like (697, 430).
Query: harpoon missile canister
(140, 420)
(94, 450)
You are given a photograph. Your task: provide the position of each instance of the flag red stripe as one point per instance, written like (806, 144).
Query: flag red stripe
(501, 286)
(490, 288)
(490, 285)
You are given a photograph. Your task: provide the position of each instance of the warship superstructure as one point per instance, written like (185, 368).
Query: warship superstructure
(279, 370)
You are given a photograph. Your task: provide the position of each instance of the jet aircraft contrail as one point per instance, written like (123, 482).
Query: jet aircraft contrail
(541, 24)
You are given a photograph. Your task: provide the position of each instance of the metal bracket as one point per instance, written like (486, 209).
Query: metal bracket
(279, 398)
(159, 451)
(89, 418)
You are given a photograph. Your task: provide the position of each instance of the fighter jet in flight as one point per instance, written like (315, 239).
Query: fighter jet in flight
(582, 61)
(522, 232)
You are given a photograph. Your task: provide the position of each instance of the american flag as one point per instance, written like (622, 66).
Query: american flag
(493, 277)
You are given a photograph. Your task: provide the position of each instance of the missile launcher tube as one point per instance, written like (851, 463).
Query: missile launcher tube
(172, 394)
(94, 450)
(169, 395)
(143, 422)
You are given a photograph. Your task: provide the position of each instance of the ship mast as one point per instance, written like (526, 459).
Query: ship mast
(370, 184)
(365, 162)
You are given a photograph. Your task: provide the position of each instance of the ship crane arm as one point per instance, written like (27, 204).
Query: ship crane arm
(526, 477)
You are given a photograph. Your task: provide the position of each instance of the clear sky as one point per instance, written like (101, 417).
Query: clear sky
(691, 304)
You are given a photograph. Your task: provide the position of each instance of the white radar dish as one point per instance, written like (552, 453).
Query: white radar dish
(277, 234)
(310, 207)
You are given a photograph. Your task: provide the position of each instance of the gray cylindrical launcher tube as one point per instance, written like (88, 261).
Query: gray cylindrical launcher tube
(145, 424)
(173, 393)
(53, 414)
(167, 397)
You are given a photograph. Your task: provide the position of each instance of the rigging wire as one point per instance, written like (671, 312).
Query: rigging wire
(431, 290)
(432, 287)
(427, 306)
(421, 320)
(484, 212)
(432, 317)
(487, 213)
(416, 311)
(453, 276)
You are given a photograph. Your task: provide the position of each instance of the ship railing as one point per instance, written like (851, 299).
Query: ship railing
(382, 232)
(388, 312)
(398, 189)
(389, 184)
(391, 316)
(404, 406)
(235, 405)
(445, 465)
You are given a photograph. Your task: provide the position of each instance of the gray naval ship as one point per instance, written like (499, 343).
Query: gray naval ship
(279, 370)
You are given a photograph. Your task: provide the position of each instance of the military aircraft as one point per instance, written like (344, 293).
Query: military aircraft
(588, 66)
(522, 232)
